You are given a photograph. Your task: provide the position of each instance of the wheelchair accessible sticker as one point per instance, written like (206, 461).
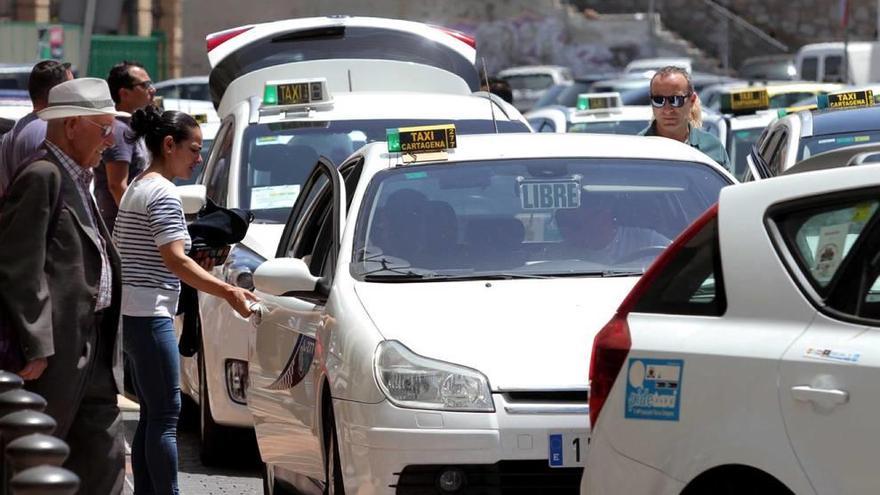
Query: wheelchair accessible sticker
(653, 389)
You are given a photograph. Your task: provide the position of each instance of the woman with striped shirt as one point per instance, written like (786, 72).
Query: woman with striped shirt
(152, 240)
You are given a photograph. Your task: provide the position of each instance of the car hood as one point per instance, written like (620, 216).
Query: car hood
(263, 238)
(522, 334)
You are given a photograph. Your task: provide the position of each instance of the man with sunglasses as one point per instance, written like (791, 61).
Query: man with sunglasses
(62, 284)
(677, 113)
(131, 89)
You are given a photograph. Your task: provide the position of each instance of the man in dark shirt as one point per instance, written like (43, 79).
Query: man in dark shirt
(29, 132)
(677, 114)
(131, 89)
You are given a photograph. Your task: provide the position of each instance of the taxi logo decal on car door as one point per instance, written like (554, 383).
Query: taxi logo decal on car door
(297, 365)
(653, 389)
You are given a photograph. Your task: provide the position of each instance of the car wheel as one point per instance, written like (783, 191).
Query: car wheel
(213, 437)
(332, 463)
(271, 486)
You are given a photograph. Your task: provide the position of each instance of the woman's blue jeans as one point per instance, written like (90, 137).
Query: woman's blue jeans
(152, 352)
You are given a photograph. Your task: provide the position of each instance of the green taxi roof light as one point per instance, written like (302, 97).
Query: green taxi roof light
(583, 102)
(822, 101)
(393, 138)
(782, 112)
(270, 95)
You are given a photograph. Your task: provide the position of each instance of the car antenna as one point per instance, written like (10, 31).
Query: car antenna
(491, 103)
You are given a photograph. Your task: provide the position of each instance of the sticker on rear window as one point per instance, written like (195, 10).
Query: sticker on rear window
(550, 195)
(829, 251)
(653, 389)
(268, 197)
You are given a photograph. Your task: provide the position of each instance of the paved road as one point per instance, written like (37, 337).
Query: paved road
(195, 479)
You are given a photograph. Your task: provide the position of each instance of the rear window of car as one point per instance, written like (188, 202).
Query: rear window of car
(821, 237)
(529, 81)
(819, 144)
(692, 283)
(336, 43)
(277, 158)
(626, 127)
(547, 217)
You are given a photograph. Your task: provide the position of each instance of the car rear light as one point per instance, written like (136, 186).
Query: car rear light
(469, 40)
(612, 344)
(214, 40)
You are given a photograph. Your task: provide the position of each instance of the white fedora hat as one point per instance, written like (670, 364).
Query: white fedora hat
(80, 98)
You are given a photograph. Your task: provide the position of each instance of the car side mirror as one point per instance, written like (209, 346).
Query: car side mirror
(281, 276)
(193, 197)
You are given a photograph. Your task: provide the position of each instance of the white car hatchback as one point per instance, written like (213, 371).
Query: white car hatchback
(424, 325)
(746, 359)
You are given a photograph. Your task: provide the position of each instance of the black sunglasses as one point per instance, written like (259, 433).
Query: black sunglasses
(675, 101)
(145, 84)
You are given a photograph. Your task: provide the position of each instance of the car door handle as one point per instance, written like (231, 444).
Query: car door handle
(822, 396)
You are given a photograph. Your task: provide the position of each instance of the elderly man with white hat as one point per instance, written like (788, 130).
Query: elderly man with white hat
(61, 284)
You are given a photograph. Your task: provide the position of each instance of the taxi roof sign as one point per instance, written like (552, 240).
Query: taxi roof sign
(599, 101)
(421, 139)
(295, 93)
(847, 99)
(744, 101)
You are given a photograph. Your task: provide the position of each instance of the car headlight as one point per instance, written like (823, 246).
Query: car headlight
(417, 382)
(240, 266)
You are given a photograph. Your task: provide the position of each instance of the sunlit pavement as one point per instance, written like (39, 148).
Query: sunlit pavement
(193, 478)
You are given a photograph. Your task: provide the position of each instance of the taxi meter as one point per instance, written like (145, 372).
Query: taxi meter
(295, 94)
(745, 101)
(599, 101)
(847, 99)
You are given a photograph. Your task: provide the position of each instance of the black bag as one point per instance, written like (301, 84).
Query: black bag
(11, 355)
(212, 232)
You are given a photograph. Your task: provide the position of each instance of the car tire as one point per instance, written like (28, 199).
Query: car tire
(214, 439)
(332, 463)
(271, 486)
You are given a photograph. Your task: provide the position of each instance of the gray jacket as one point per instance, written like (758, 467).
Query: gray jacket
(50, 291)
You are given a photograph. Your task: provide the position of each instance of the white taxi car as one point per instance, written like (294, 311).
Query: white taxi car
(264, 150)
(842, 119)
(424, 324)
(744, 115)
(707, 382)
(598, 113)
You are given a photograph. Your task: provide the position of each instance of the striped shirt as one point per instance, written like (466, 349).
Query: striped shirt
(150, 215)
(82, 177)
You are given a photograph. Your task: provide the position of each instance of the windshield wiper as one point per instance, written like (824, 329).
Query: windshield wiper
(393, 276)
(485, 276)
(622, 273)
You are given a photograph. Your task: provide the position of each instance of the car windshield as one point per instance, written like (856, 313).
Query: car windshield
(526, 218)
(628, 127)
(820, 144)
(277, 158)
(740, 145)
(529, 81)
(784, 100)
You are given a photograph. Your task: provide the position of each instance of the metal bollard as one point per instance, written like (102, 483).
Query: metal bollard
(18, 424)
(18, 400)
(45, 480)
(21, 423)
(35, 450)
(10, 381)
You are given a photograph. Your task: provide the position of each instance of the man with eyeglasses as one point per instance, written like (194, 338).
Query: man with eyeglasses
(131, 89)
(62, 284)
(677, 113)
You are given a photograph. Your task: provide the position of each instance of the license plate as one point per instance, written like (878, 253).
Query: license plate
(567, 449)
